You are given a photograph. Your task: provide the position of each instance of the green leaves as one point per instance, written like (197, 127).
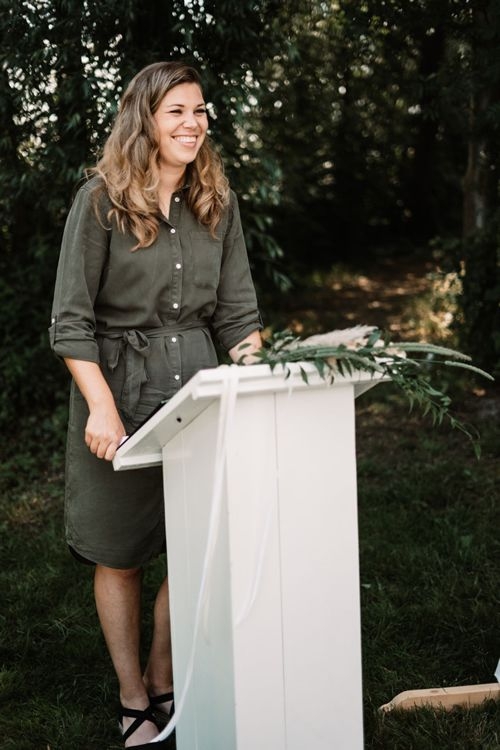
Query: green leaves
(375, 353)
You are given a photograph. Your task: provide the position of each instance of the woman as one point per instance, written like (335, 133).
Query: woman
(153, 262)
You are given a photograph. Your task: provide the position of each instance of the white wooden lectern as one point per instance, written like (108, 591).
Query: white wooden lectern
(277, 658)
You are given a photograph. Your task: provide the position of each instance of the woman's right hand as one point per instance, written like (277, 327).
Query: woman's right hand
(104, 431)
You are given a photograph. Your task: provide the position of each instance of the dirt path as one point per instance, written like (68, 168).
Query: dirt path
(393, 293)
(406, 296)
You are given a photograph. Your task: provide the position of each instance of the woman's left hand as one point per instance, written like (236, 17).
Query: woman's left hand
(244, 352)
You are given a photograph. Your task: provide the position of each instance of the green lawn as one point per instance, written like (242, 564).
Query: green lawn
(429, 519)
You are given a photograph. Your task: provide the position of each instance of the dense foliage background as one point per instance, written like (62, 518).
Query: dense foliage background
(345, 126)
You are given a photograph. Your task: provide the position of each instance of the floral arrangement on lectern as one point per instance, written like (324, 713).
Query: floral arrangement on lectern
(366, 348)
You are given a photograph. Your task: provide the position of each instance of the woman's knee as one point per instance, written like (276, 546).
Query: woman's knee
(118, 574)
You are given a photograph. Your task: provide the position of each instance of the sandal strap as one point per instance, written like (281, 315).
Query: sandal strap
(139, 716)
(155, 700)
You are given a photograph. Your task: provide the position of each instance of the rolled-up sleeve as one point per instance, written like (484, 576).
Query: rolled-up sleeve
(82, 260)
(236, 314)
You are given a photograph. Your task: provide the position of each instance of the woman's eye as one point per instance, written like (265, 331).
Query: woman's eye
(202, 111)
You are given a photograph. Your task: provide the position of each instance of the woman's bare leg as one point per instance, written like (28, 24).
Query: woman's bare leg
(158, 673)
(118, 602)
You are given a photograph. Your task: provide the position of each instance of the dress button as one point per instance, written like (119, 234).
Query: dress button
(177, 377)
(175, 305)
(174, 340)
(178, 265)
(172, 231)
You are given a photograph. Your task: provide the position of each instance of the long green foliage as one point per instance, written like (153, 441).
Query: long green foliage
(407, 364)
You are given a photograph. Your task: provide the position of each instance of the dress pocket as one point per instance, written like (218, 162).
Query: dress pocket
(205, 256)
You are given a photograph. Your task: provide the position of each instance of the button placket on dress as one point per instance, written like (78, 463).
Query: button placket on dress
(172, 342)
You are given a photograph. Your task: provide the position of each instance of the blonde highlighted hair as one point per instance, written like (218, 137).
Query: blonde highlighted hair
(130, 166)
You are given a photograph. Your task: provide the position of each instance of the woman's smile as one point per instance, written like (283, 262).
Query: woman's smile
(186, 140)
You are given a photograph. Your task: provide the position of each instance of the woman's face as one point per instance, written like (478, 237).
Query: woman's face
(182, 123)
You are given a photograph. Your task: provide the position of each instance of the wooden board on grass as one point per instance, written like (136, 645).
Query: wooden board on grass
(444, 698)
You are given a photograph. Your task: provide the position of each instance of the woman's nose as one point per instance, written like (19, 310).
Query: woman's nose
(190, 120)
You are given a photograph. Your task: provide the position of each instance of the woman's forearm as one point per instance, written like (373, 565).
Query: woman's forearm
(90, 380)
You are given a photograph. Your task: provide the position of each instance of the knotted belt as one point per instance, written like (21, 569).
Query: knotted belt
(134, 345)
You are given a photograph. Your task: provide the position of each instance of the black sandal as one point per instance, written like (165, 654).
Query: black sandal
(140, 717)
(155, 700)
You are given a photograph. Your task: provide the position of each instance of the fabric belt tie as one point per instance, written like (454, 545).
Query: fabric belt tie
(135, 346)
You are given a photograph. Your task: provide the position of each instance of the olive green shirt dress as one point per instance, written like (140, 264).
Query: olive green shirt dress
(147, 316)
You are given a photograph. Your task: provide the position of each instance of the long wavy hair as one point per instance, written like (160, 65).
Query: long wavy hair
(130, 164)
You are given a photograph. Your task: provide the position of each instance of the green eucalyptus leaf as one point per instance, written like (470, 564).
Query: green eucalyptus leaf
(472, 368)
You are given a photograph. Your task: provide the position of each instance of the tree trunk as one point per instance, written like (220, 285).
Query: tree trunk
(481, 280)
(476, 188)
(479, 182)
(422, 200)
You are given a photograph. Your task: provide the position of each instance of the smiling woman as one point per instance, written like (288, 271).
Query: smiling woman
(153, 264)
(182, 124)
